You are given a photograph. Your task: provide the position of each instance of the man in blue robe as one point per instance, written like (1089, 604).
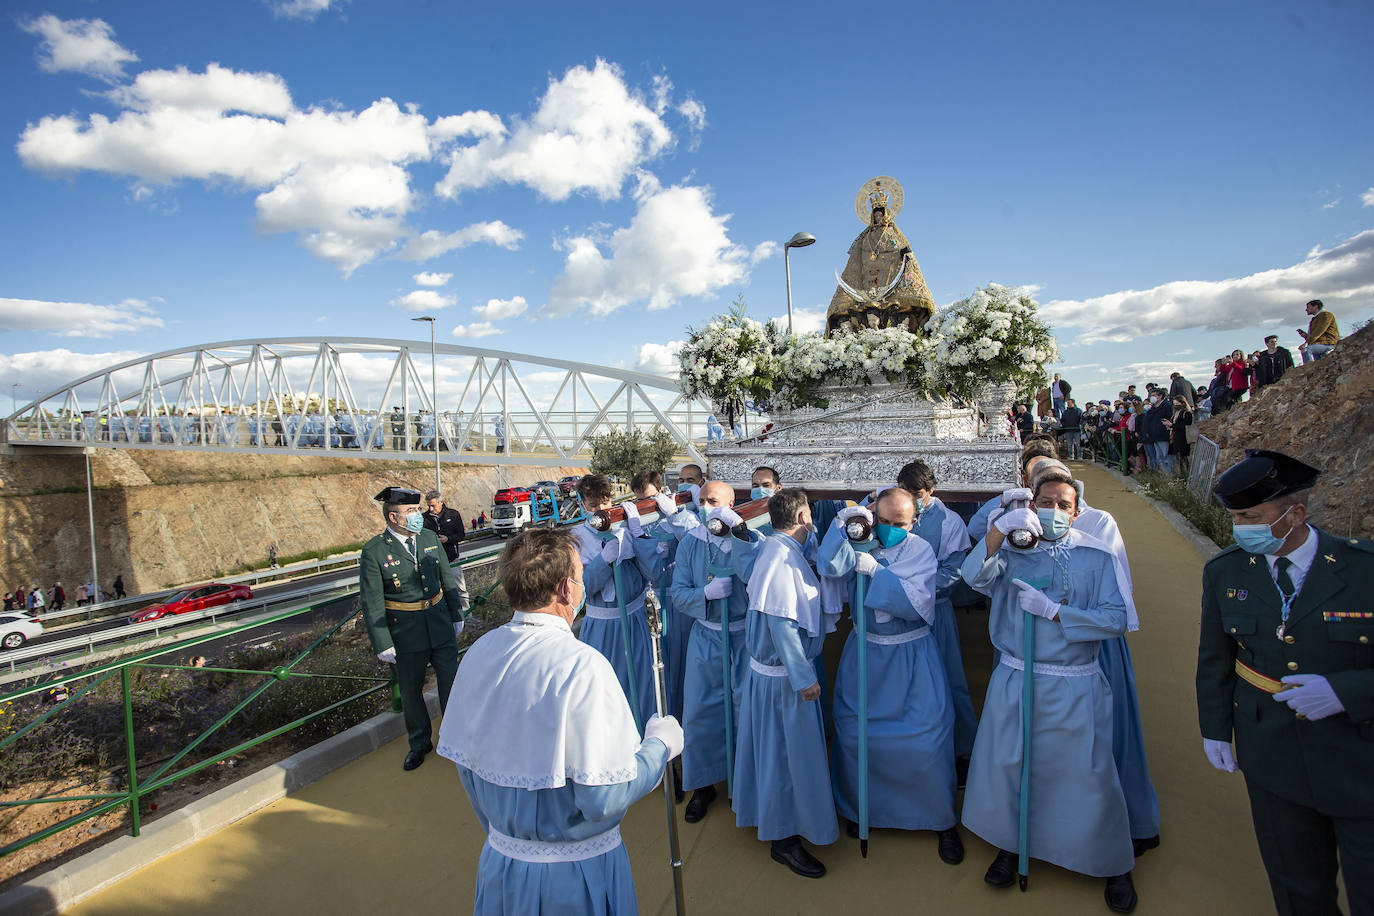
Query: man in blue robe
(1034, 451)
(1065, 585)
(703, 585)
(910, 717)
(782, 779)
(551, 758)
(639, 562)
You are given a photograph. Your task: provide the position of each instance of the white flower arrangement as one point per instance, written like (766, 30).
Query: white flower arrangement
(730, 361)
(992, 337)
(849, 358)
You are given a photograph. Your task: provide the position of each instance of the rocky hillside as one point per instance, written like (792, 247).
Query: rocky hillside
(171, 518)
(1324, 414)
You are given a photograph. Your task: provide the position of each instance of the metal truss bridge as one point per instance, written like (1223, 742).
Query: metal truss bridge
(359, 397)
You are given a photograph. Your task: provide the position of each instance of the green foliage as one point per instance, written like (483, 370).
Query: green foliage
(1209, 518)
(621, 454)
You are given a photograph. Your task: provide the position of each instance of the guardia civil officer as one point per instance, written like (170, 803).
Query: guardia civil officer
(413, 606)
(1286, 669)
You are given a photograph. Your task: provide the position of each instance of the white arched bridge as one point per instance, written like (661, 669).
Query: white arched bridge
(359, 397)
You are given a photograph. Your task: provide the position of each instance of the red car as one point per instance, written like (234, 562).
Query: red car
(511, 495)
(194, 599)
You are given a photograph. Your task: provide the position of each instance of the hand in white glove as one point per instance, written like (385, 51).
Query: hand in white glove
(610, 551)
(727, 515)
(667, 730)
(864, 564)
(631, 510)
(1312, 697)
(849, 512)
(695, 492)
(387, 656)
(1034, 601)
(666, 505)
(457, 628)
(1219, 754)
(1017, 498)
(1013, 519)
(720, 587)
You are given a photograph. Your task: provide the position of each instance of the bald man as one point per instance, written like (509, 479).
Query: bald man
(706, 588)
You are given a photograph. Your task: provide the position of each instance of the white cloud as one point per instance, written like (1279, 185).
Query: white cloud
(218, 89)
(82, 45)
(39, 372)
(763, 251)
(804, 321)
(425, 278)
(433, 243)
(77, 319)
(468, 124)
(476, 330)
(694, 112)
(660, 359)
(422, 300)
(1331, 204)
(496, 309)
(589, 133)
(674, 246)
(1337, 275)
(299, 9)
(1367, 198)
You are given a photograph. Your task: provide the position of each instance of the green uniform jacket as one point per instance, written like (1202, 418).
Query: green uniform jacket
(1325, 764)
(387, 573)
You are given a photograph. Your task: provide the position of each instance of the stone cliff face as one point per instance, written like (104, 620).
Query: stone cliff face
(1322, 413)
(173, 518)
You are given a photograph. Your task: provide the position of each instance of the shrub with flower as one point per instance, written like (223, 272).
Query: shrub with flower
(992, 337)
(850, 358)
(733, 359)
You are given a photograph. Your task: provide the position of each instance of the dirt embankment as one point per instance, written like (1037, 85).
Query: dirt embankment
(171, 518)
(1322, 413)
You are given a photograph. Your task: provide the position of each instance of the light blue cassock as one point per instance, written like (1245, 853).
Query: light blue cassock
(1128, 738)
(1078, 814)
(703, 723)
(978, 524)
(782, 777)
(944, 531)
(677, 628)
(911, 780)
(601, 627)
(553, 843)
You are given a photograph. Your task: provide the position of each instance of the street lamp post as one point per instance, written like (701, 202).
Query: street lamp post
(90, 513)
(800, 240)
(434, 398)
(14, 398)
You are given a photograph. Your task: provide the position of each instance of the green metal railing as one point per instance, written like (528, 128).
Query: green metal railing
(171, 770)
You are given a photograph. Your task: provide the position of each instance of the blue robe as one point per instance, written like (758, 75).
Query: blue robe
(911, 778)
(703, 722)
(605, 634)
(1078, 816)
(942, 529)
(677, 625)
(782, 777)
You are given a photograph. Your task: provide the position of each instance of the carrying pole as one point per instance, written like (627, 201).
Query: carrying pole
(653, 614)
(1027, 707)
(728, 685)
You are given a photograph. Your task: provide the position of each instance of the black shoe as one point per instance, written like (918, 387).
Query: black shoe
(951, 846)
(1120, 894)
(413, 760)
(1002, 871)
(793, 854)
(851, 829)
(1144, 846)
(960, 772)
(699, 804)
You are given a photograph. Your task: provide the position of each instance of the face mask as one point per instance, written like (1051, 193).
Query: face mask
(888, 535)
(702, 512)
(1154, 400)
(923, 508)
(1259, 539)
(683, 487)
(1054, 523)
(581, 602)
(415, 522)
(761, 493)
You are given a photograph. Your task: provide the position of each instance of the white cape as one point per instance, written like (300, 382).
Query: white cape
(784, 585)
(534, 707)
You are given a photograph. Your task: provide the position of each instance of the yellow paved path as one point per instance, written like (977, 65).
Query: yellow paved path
(372, 839)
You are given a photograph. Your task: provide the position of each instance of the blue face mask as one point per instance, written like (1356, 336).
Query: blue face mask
(1259, 539)
(889, 535)
(683, 487)
(923, 508)
(1054, 523)
(761, 493)
(581, 602)
(415, 522)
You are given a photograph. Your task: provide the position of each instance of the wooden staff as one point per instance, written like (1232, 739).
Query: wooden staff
(652, 612)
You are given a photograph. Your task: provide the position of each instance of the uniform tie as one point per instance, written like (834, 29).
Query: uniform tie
(410, 546)
(1285, 581)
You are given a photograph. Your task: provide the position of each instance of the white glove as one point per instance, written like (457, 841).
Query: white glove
(849, 512)
(1017, 498)
(610, 551)
(631, 510)
(1034, 601)
(720, 587)
(1219, 754)
(667, 730)
(694, 491)
(727, 515)
(864, 564)
(1013, 519)
(1311, 697)
(387, 656)
(457, 628)
(666, 505)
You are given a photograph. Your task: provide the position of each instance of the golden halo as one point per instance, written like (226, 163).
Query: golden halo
(870, 193)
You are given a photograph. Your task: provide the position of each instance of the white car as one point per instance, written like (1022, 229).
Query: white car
(17, 628)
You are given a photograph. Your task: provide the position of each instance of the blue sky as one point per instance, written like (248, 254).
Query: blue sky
(1175, 180)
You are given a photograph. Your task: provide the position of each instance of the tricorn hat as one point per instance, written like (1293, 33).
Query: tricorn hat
(399, 496)
(1261, 476)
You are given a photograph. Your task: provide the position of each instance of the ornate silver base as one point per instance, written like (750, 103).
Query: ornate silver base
(864, 437)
